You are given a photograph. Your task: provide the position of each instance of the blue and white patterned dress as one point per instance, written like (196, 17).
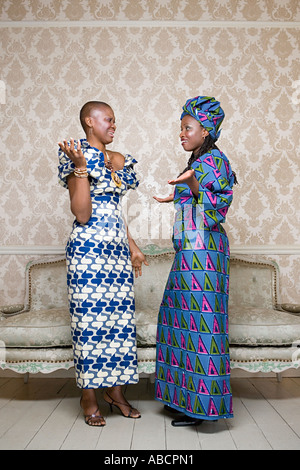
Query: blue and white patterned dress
(100, 279)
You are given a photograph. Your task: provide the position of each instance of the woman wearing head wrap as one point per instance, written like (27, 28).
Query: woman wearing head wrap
(193, 364)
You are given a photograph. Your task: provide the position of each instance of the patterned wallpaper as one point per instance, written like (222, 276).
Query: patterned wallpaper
(120, 10)
(146, 58)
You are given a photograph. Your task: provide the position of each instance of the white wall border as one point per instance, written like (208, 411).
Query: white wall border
(234, 250)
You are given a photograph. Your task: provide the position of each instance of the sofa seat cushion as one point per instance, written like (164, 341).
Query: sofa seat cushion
(147, 354)
(51, 328)
(264, 353)
(37, 329)
(17, 355)
(262, 327)
(146, 326)
(248, 326)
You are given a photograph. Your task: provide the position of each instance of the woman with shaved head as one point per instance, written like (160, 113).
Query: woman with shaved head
(101, 257)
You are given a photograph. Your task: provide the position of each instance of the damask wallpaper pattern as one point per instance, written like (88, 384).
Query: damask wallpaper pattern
(146, 58)
(120, 10)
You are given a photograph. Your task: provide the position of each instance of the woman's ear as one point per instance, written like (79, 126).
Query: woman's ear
(205, 132)
(89, 121)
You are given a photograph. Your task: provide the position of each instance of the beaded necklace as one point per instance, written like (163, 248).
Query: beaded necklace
(114, 175)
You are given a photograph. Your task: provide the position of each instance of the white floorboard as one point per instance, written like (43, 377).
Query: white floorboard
(45, 414)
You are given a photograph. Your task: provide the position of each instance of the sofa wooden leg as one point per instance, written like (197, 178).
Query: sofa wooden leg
(152, 378)
(279, 377)
(26, 378)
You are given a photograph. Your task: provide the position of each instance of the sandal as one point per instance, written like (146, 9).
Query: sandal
(172, 410)
(186, 421)
(116, 403)
(94, 419)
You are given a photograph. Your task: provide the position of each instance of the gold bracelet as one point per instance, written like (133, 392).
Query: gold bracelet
(81, 173)
(80, 170)
(81, 176)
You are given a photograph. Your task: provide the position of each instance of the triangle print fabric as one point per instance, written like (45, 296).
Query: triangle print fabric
(193, 362)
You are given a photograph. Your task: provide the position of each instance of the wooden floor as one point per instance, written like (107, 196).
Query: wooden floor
(45, 414)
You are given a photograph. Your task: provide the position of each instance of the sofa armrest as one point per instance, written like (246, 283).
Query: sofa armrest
(291, 308)
(9, 310)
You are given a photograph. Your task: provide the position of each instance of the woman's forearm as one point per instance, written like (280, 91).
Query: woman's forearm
(80, 198)
(193, 184)
(190, 179)
(137, 256)
(78, 182)
(132, 245)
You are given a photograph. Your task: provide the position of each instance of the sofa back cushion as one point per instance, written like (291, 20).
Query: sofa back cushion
(253, 284)
(149, 288)
(46, 284)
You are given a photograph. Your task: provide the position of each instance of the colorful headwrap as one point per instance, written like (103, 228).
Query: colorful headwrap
(207, 111)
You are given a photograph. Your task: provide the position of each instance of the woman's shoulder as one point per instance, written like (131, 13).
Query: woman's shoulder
(116, 158)
(116, 155)
(218, 154)
(213, 157)
(123, 160)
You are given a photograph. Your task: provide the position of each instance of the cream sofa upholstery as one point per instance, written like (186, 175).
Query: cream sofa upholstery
(264, 335)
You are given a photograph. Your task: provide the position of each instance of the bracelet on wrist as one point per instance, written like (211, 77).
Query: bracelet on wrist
(81, 172)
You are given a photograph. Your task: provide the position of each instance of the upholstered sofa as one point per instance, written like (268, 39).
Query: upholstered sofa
(264, 335)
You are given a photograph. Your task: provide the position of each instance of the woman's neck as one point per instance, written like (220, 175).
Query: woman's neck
(96, 143)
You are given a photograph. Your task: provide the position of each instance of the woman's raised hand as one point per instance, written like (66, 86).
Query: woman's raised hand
(186, 177)
(169, 198)
(75, 155)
